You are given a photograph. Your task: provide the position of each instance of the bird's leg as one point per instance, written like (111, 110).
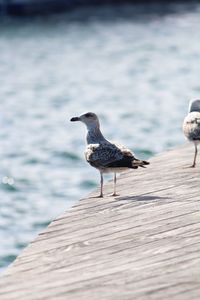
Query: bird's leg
(101, 192)
(115, 181)
(195, 156)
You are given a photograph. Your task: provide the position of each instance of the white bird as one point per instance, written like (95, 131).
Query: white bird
(191, 126)
(104, 155)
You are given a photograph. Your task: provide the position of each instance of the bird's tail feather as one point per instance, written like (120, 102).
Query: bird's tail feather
(139, 163)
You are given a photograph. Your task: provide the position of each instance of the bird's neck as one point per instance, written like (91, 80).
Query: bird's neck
(94, 135)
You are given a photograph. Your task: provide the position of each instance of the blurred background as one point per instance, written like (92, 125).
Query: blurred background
(136, 66)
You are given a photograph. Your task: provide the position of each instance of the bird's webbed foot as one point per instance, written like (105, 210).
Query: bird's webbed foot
(114, 194)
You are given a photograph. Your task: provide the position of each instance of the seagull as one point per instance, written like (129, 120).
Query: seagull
(103, 155)
(191, 126)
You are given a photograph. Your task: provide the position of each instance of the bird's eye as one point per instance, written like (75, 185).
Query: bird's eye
(88, 115)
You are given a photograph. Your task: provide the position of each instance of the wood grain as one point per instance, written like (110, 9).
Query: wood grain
(143, 244)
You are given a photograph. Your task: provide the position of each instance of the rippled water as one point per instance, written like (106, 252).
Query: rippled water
(136, 69)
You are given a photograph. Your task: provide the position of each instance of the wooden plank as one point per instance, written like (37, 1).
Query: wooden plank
(143, 244)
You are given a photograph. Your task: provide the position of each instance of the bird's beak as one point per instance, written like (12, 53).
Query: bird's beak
(74, 119)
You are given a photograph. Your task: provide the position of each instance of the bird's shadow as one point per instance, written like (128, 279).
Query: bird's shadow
(142, 198)
(136, 198)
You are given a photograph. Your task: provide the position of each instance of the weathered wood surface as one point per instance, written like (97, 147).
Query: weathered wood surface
(143, 244)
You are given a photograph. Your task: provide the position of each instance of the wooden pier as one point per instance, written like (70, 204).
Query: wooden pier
(143, 244)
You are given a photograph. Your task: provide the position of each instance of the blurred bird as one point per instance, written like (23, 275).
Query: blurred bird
(103, 155)
(191, 126)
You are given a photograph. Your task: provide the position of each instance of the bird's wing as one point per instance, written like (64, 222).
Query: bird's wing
(108, 155)
(194, 106)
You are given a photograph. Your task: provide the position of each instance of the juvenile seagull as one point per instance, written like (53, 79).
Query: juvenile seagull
(103, 155)
(191, 126)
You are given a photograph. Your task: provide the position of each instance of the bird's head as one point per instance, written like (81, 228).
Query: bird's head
(89, 119)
